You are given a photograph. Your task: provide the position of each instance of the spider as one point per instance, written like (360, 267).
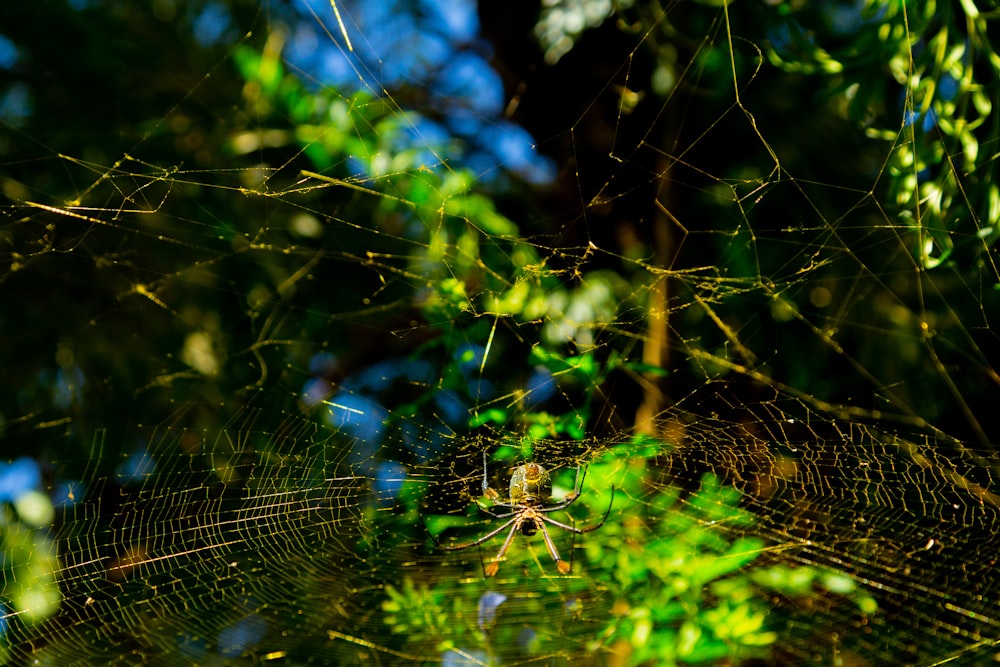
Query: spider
(530, 489)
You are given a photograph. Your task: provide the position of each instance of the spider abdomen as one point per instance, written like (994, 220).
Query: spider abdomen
(527, 510)
(530, 485)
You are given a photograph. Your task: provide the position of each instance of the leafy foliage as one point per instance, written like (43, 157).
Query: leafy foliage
(945, 70)
(684, 590)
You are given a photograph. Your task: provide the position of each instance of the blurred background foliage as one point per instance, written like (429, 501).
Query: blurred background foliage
(220, 205)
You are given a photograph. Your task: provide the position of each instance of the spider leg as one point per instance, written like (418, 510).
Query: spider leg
(507, 505)
(486, 481)
(561, 565)
(507, 515)
(491, 568)
(515, 516)
(580, 531)
(607, 513)
(493, 495)
(571, 498)
(604, 518)
(560, 524)
(578, 483)
(492, 533)
(561, 505)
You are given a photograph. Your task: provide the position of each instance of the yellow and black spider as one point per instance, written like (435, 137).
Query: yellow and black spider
(530, 491)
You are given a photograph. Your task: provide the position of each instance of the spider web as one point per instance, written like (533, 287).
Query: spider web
(278, 372)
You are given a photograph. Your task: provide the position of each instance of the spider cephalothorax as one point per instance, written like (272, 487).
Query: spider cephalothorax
(530, 491)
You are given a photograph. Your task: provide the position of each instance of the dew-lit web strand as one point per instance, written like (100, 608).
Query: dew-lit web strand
(863, 414)
(860, 414)
(927, 336)
(340, 22)
(907, 582)
(365, 190)
(355, 63)
(600, 198)
(148, 290)
(109, 173)
(346, 183)
(956, 394)
(686, 73)
(266, 506)
(832, 229)
(152, 560)
(736, 87)
(367, 78)
(893, 581)
(342, 183)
